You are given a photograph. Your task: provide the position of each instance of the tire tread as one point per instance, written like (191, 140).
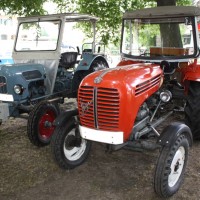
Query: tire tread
(33, 119)
(192, 109)
(163, 168)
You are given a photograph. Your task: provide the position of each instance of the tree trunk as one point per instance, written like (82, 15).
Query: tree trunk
(166, 2)
(170, 35)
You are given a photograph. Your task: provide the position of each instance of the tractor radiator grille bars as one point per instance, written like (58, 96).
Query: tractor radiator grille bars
(99, 107)
(3, 87)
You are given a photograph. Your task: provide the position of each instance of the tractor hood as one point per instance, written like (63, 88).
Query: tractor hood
(129, 76)
(26, 70)
(110, 99)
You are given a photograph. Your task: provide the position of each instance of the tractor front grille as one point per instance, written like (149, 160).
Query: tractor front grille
(3, 86)
(99, 107)
(86, 106)
(34, 74)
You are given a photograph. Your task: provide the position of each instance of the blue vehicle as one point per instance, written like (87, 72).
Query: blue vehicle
(45, 72)
(5, 60)
(6, 57)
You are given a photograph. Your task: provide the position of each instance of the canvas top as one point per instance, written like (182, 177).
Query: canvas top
(163, 11)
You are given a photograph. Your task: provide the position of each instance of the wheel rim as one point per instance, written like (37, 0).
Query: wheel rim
(73, 153)
(46, 127)
(176, 166)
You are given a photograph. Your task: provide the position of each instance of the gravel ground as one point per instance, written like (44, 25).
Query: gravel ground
(28, 172)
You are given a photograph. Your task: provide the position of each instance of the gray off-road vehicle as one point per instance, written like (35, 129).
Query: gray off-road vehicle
(48, 66)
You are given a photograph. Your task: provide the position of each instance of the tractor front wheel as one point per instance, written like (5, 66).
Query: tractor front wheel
(40, 123)
(171, 166)
(68, 148)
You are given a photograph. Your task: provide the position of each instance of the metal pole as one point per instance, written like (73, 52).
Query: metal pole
(94, 35)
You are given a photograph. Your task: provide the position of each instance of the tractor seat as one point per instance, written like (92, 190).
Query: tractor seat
(68, 59)
(87, 50)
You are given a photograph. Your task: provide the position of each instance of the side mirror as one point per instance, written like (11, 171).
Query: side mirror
(78, 50)
(99, 49)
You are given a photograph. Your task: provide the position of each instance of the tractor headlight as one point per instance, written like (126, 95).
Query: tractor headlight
(165, 96)
(18, 89)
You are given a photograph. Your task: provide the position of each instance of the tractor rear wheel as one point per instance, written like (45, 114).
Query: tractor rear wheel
(78, 77)
(97, 64)
(192, 109)
(40, 123)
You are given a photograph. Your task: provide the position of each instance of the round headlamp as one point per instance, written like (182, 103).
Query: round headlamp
(18, 89)
(165, 96)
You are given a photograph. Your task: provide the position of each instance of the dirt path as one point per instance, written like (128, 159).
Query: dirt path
(29, 173)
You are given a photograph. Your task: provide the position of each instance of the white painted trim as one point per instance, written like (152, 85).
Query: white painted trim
(39, 55)
(109, 137)
(6, 97)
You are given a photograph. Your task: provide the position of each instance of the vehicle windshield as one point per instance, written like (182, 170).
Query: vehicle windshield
(37, 36)
(159, 39)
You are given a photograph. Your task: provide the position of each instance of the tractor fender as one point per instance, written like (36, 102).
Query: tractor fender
(66, 117)
(190, 72)
(87, 61)
(172, 132)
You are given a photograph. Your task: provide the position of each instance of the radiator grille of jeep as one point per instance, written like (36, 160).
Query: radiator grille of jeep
(3, 87)
(99, 107)
(142, 87)
(29, 75)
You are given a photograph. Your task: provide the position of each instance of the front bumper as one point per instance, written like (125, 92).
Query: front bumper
(4, 107)
(4, 111)
(6, 97)
(109, 137)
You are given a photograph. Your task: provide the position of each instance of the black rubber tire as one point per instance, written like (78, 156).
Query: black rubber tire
(96, 65)
(57, 146)
(42, 109)
(77, 78)
(192, 109)
(163, 170)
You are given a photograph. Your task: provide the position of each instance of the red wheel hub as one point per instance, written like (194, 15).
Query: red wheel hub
(46, 127)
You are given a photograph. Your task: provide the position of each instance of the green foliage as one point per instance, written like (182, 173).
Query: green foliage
(184, 2)
(110, 14)
(110, 19)
(65, 5)
(22, 7)
(148, 35)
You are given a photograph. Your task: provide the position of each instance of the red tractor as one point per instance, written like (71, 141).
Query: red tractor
(158, 75)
